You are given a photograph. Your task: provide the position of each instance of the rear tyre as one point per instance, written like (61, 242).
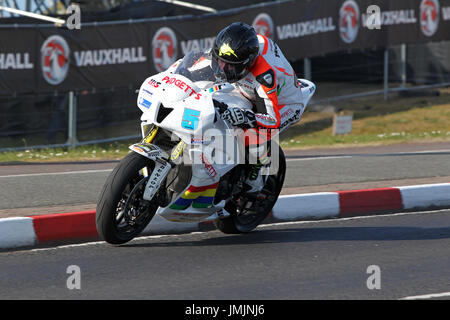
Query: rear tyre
(247, 211)
(122, 213)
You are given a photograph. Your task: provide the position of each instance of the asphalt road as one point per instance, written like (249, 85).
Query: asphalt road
(330, 259)
(28, 186)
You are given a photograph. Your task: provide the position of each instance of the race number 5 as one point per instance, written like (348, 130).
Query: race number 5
(190, 119)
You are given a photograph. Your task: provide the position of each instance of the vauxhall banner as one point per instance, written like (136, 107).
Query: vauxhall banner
(93, 57)
(17, 60)
(48, 59)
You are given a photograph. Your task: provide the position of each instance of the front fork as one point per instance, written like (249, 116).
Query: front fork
(163, 163)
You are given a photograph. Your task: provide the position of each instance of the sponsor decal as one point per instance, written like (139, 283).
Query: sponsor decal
(284, 71)
(199, 197)
(105, 57)
(225, 50)
(177, 150)
(139, 150)
(215, 88)
(182, 85)
(302, 84)
(275, 51)
(15, 61)
(279, 88)
(349, 21)
(164, 44)
(267, 78)
(208, 166)
(148, 92)
(292, 119)
(286, 113)
(154, 83)
(429, 17)
(55, 59)
(265, 118)
(197, 140)
(144, 102)
(263, 24)
(153, 151)
(154, 182)
(272, 91)
(190, 119)
(305, 28)
(148, 149)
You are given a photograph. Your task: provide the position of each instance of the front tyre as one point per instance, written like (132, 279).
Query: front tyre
(122, 213)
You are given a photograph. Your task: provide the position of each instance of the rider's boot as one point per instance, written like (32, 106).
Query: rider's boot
(255, 179)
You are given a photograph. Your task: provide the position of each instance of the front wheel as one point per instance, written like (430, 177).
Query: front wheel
(247, 211)
(122, 213)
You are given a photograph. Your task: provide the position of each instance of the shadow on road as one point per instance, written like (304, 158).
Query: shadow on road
(309, 235)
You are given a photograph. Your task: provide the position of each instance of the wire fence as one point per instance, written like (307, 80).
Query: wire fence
(71, 119)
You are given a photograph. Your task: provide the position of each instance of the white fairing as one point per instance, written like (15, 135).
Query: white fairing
(307, 90)
(176, 103)
(193, 110)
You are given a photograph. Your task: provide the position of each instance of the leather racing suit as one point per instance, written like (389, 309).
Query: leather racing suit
(274, 89)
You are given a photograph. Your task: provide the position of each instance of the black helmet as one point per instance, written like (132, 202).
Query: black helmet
(235, 49)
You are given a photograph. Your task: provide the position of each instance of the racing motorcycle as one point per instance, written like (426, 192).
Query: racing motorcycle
(182, 169)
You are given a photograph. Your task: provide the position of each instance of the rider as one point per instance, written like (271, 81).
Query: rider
(261, 73)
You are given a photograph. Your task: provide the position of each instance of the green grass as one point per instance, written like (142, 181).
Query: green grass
(399, 120)
(375, 121)
(419, 124)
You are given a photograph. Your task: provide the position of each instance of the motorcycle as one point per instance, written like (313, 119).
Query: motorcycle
(182, 169)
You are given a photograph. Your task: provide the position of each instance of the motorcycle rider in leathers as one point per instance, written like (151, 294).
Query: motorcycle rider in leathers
(258, 69)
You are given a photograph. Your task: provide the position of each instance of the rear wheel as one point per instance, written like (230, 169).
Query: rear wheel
(247, 211)
(122, 213)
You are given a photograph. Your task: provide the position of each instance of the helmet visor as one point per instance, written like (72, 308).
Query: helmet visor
(230, 72)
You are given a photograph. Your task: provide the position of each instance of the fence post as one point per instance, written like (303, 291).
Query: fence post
(307, 68)
(386, 73)
(72, 127)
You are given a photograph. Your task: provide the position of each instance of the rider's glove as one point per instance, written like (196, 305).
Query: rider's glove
(240, 118)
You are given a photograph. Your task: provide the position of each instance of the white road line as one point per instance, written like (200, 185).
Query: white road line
(54, 173)
(427, 151)
(319, 158)
(374, 216)
(325, 157)
(427, 296)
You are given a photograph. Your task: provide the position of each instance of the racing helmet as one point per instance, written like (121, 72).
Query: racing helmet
(234, 52)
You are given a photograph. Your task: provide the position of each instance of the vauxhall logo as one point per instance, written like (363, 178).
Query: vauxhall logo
(349, 21)
(429, 17)
(55, 58)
